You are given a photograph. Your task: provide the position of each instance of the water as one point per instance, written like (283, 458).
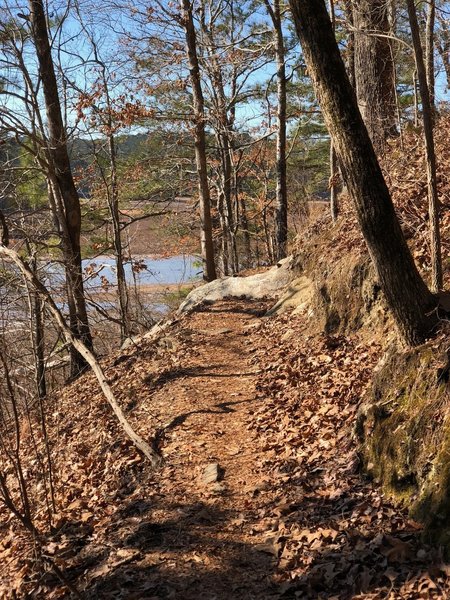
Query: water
(147, 271)
(100, 277)
(101, 271)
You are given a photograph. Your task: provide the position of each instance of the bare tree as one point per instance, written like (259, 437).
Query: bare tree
(427, 115)
(63, 191)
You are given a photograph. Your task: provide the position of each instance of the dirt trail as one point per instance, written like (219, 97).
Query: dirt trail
(200, 539)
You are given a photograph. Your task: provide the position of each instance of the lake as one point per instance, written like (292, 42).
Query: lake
(101, 271)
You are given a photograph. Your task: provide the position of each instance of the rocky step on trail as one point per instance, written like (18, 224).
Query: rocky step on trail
(259, 496)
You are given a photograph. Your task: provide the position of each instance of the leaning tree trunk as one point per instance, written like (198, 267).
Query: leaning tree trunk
(375, 70)
(427, 115)
(206, 237)
(411, 302)
(59, 157)
(39, 288)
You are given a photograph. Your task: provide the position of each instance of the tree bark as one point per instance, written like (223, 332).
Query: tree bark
(429, 54)
(37, 334)
(281, 208)
(113, 202)
(374, 70)
(411, 302)
(427, 116)
(334, 208)
(222, 121)
(59, 156)
(442, 41)
(350, 54)
(206, 238)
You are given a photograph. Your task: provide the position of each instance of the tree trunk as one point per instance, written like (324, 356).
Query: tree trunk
(59, 156)
(223, 136)
(37, 334)
(224, 251)
(113, 201)
(206, 238)
(334, 208)
(374, 70)
(429, 60)
(427, 115)
(245, 231)
(350, 54)
(281, 210)
(411, 302)
(442, 41)
(222, 120)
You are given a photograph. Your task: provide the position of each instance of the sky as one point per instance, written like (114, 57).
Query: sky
(73, 55)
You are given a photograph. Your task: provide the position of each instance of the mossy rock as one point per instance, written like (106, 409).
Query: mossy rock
(404, 432)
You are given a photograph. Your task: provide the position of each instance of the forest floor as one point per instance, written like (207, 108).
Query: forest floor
(259, 496)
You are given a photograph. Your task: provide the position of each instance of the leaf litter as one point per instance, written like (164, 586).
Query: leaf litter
(289, 516)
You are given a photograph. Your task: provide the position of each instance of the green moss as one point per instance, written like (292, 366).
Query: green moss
(433, 505)
(405, 436)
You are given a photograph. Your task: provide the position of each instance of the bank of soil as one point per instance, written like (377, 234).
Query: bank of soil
(259, 496)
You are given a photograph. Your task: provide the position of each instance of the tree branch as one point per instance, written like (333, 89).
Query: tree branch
(28, 275)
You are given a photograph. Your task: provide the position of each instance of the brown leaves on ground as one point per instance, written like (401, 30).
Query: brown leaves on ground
(341, 538)
(406, 176)
(271, 411)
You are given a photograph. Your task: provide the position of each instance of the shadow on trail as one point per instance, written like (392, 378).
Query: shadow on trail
(259, 310)
(178, 558)
(224, 408)
(194, 552)
(170, 375)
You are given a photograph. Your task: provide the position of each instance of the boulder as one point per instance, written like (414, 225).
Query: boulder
(269, 284)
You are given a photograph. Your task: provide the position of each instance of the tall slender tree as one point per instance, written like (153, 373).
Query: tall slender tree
(442, 41)
(334, 208)
(209, 267)
(63, 193)
(429, 51)
(427, 115)
(281, 207)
